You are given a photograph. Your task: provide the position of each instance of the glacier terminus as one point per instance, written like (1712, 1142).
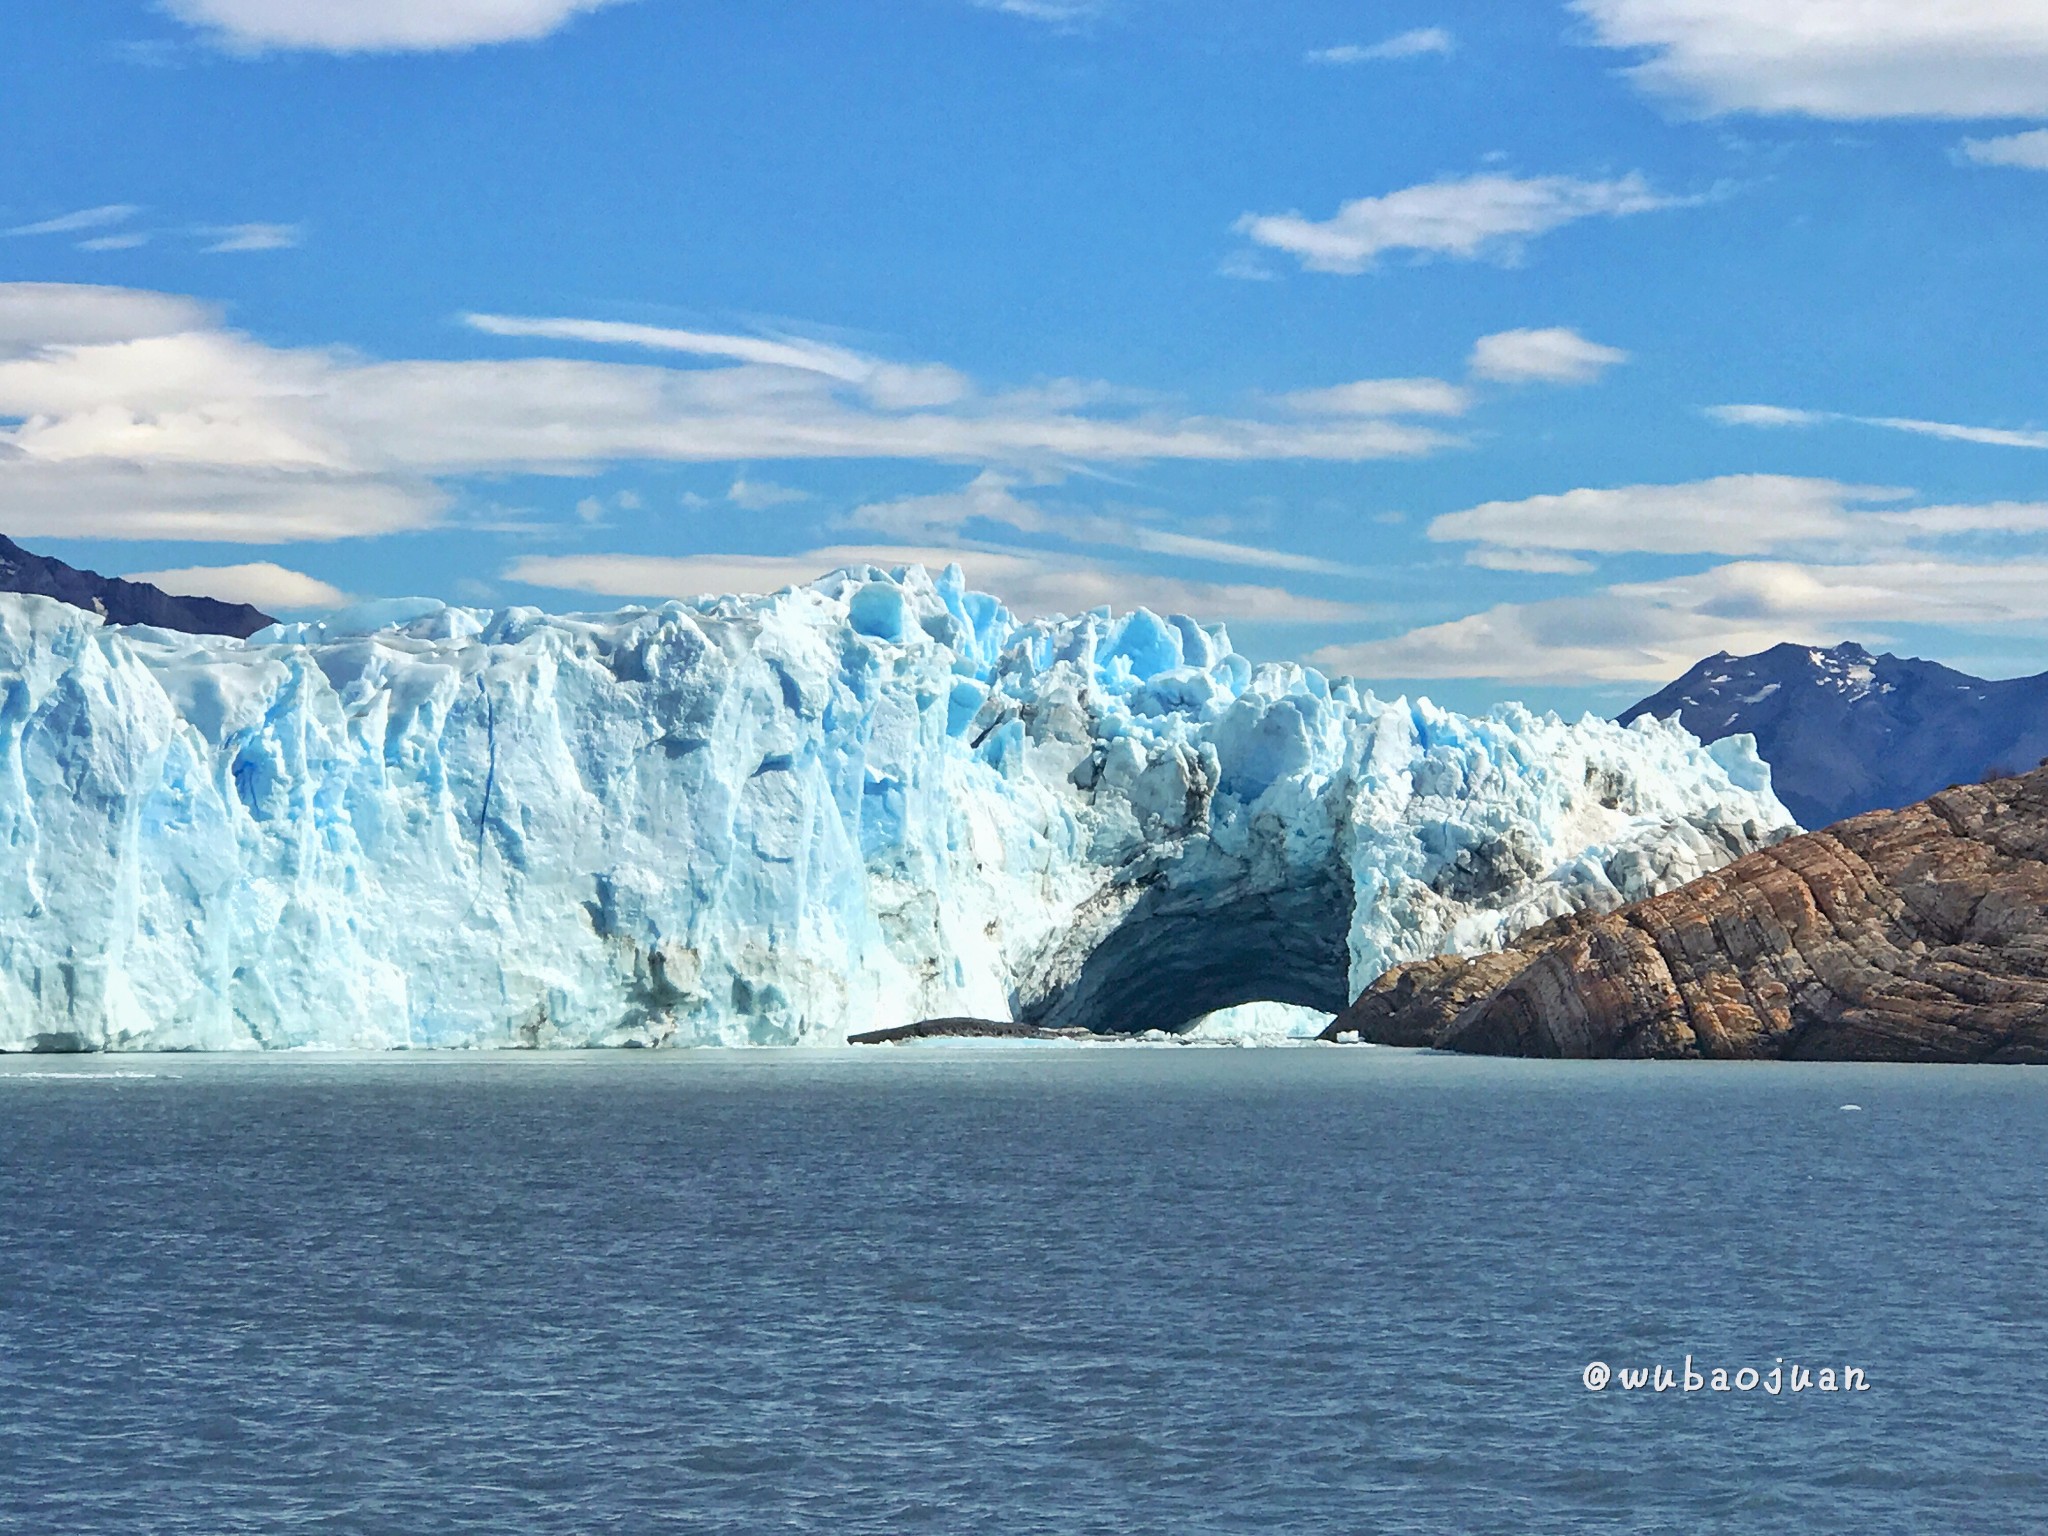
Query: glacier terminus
(771, 820)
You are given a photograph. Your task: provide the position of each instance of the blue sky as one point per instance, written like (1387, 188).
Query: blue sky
(1479, 350)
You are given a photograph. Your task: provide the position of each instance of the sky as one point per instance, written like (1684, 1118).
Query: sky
(1529, 350)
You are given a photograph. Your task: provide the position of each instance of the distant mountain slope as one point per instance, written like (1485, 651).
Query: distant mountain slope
(1845, 731)
(123, 602)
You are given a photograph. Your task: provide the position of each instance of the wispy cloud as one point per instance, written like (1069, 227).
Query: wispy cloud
(1643, 632)
(1764, 416)
(1815, 558)
(895, 384)
(127, 242)
(1728, 515)
(1384, 397)
(1838, 59)
(2024, 151)
(1950, 431)
(987, 513)
(139, 415)
(1415, 44)
(103, 217)
(1245, 267)
(1467, 218)
(1032, 584)
(1557, 355)
(1529, 562)
(250, 237)
(760, 495)
(375, 26)
(1057, 12)
(217, 237)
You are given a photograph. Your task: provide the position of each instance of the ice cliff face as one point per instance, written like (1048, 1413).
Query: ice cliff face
(765, 821)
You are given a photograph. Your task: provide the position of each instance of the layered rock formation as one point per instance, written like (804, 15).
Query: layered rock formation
(1911, 935)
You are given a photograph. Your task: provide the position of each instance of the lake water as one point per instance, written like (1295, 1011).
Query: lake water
(1014, 1290)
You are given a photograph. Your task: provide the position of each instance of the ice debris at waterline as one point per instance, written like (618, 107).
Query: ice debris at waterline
(874, 799)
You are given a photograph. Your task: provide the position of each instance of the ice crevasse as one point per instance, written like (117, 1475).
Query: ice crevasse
(770, 820)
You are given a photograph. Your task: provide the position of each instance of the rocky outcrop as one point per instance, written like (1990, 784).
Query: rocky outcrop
(963, 1029)
(123, 602)
(1918, 934)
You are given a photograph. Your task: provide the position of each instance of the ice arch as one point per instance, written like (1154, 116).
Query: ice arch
(1176, 953)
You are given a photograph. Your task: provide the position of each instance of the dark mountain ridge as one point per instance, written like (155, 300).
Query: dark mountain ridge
(123, 602)
(1846, 732)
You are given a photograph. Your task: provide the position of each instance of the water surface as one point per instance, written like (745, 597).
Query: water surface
(1012, 1290)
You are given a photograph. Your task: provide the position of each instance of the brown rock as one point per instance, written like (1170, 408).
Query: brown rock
(1918, 934)
(1414, 1004)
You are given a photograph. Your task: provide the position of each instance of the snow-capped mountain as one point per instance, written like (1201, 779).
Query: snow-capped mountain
(771, 820)
(1845, 731)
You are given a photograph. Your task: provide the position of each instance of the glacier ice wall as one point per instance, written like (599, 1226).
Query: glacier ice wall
(771, 820)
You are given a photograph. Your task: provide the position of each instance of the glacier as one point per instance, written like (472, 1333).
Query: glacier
(771, 820)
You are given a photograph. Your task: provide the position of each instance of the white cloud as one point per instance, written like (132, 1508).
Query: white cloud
(1557, 355)
(1188, 546)
(988, 499)
(805, 356)
(1031, 583)
(206, 428)
(376, 26)
(1764, 416)
(989, 503)
(35, 315)
(1646, 632)
(273, 588)
(85, 218)
(1245, 267)
(1863, 565)
(1383, 397)
(1564, 640)
(2027, 151)
(247, 504)
(1955, 432)
(1464, 217)
(250, 237)
(1531, 562)
(1059, 12)
(127, 242)
(1412, 44)
(1838, 59)
(1729, 515)
(760, 495)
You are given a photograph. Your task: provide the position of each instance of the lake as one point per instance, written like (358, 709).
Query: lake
(1014, 1289)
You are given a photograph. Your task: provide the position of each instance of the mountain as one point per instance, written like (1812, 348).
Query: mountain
(123, 602)
(1908, 935)
(1845, 731)
(871, 800)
